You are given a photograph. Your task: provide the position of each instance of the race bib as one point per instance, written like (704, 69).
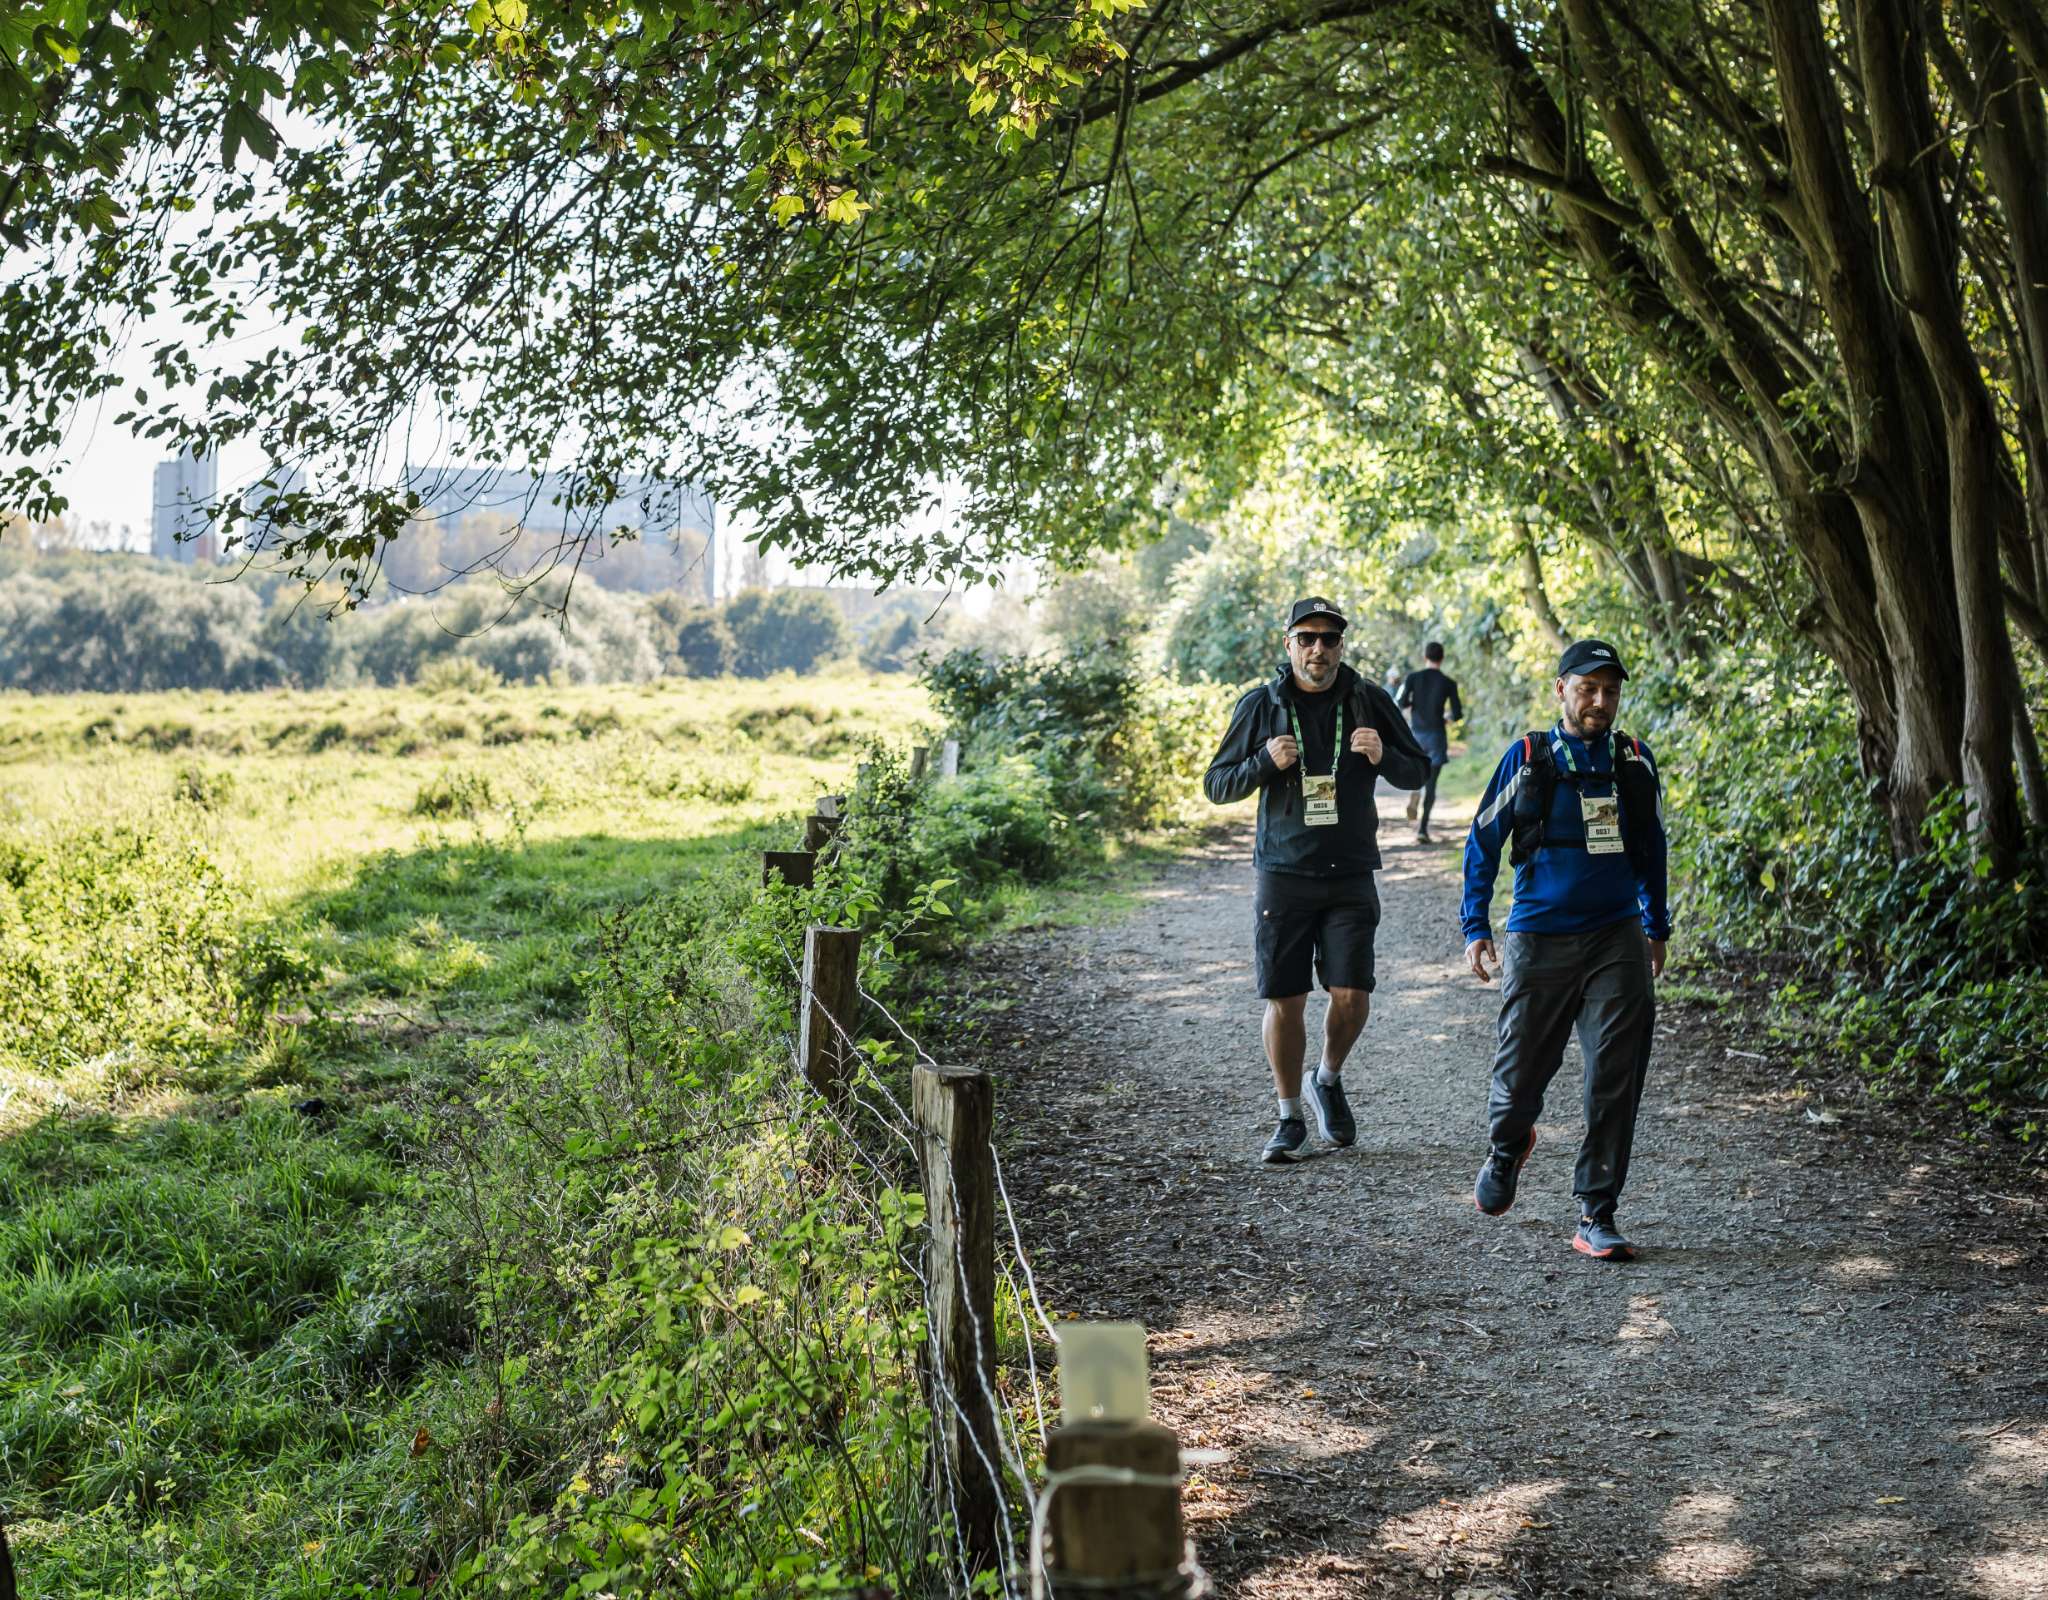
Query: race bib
(1320, 799)
(1603, 825)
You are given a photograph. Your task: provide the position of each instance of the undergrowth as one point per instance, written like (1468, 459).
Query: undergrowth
(1927, 972)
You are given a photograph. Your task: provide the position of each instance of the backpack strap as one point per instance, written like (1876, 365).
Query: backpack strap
(1532, 799)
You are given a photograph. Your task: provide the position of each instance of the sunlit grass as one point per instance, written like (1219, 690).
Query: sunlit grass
(220, 1327)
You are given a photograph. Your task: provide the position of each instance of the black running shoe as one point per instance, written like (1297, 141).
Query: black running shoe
(1599, 1238)
(1422, 836)
(1495, 1190)
(1333, 1111)
(1289, 1141)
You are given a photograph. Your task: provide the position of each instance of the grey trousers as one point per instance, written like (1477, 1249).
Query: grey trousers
(1600, 982)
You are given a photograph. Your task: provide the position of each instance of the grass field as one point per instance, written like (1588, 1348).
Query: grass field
(247, 946)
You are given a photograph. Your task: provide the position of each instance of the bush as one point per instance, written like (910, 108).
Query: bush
(786, 630)
(532, 651)
(692, 640)
(122, 626)
(893, 647)
(463, 674)
(202, 789)
(1926, 971)
(453, 794)
(1228, 606)
(115, 944)
(1119, 748)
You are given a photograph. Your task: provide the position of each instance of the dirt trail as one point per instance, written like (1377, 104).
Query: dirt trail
(1827, 1376)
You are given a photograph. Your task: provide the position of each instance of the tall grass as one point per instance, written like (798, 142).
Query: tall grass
(258, 956)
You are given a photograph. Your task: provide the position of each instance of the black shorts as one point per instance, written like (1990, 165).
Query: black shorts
(1313, 927)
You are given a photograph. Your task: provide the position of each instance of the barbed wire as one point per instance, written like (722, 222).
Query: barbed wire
(999, 1420)
(1016, 1278)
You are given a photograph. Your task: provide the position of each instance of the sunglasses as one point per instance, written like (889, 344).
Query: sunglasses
(1309, 638)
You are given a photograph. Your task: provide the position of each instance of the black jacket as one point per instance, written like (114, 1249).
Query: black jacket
(1427, 695)
(1285, 842)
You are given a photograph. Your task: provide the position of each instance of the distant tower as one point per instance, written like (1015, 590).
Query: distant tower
(180, 529)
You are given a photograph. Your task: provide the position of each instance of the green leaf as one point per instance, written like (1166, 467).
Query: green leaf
(55, 43)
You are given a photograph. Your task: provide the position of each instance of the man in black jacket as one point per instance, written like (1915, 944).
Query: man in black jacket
(1311, 743)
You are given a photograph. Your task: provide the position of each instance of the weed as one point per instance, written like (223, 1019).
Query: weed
(457, 674)
(453, 794)
(209, 791)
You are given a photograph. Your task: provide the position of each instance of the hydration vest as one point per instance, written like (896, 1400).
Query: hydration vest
(1634, 782)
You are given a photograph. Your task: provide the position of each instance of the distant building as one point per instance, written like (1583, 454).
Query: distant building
(675, 523)
(180, 529)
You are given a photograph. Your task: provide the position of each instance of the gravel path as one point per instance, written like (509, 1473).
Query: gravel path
(1828, 1375)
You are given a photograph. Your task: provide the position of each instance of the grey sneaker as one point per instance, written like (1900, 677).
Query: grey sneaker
(1289, 1142)
(1333, 1112)
(1494, 1190)
(1599, 1238)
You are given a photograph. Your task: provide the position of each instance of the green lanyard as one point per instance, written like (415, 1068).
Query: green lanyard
(1301, 744)
(1564, 748)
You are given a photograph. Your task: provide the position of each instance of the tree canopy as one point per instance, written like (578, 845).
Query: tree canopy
(1747, 300)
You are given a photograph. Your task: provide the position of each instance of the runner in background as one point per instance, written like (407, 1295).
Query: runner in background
(1426, 697)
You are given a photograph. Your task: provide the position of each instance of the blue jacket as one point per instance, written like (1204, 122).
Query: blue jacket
(1562, 888)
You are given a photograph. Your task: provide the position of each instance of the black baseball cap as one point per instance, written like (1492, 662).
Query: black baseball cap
(1589, 655)
(1315, 606)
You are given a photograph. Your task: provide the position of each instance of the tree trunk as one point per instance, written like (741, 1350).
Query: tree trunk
(1537, 595)
(2015, 149)
(1902, 131)
(1897, 474)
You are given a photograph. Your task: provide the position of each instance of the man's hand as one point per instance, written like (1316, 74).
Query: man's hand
(1366, 741)
(1481, 951)
(1281, 748)
(1657, 958)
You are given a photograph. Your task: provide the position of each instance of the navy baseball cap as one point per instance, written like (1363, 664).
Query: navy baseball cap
(1589, 655)
(1315, 606)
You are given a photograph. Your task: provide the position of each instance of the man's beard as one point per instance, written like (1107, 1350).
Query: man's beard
(1588, 722)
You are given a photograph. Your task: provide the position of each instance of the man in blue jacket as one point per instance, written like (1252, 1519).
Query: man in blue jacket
(1580, 805)
(1310, 744)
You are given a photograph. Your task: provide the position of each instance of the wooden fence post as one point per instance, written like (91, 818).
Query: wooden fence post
(920, 758)
(798, 867)
(831, 1004)
(1106, 1533)
(1112, 1476)
(955, 1112)
(819, 831)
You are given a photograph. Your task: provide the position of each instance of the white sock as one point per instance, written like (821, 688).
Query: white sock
(1290, 1107)
(1326, 1075)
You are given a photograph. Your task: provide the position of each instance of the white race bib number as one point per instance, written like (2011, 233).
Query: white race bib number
(1603, 825)
(1320, 799)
